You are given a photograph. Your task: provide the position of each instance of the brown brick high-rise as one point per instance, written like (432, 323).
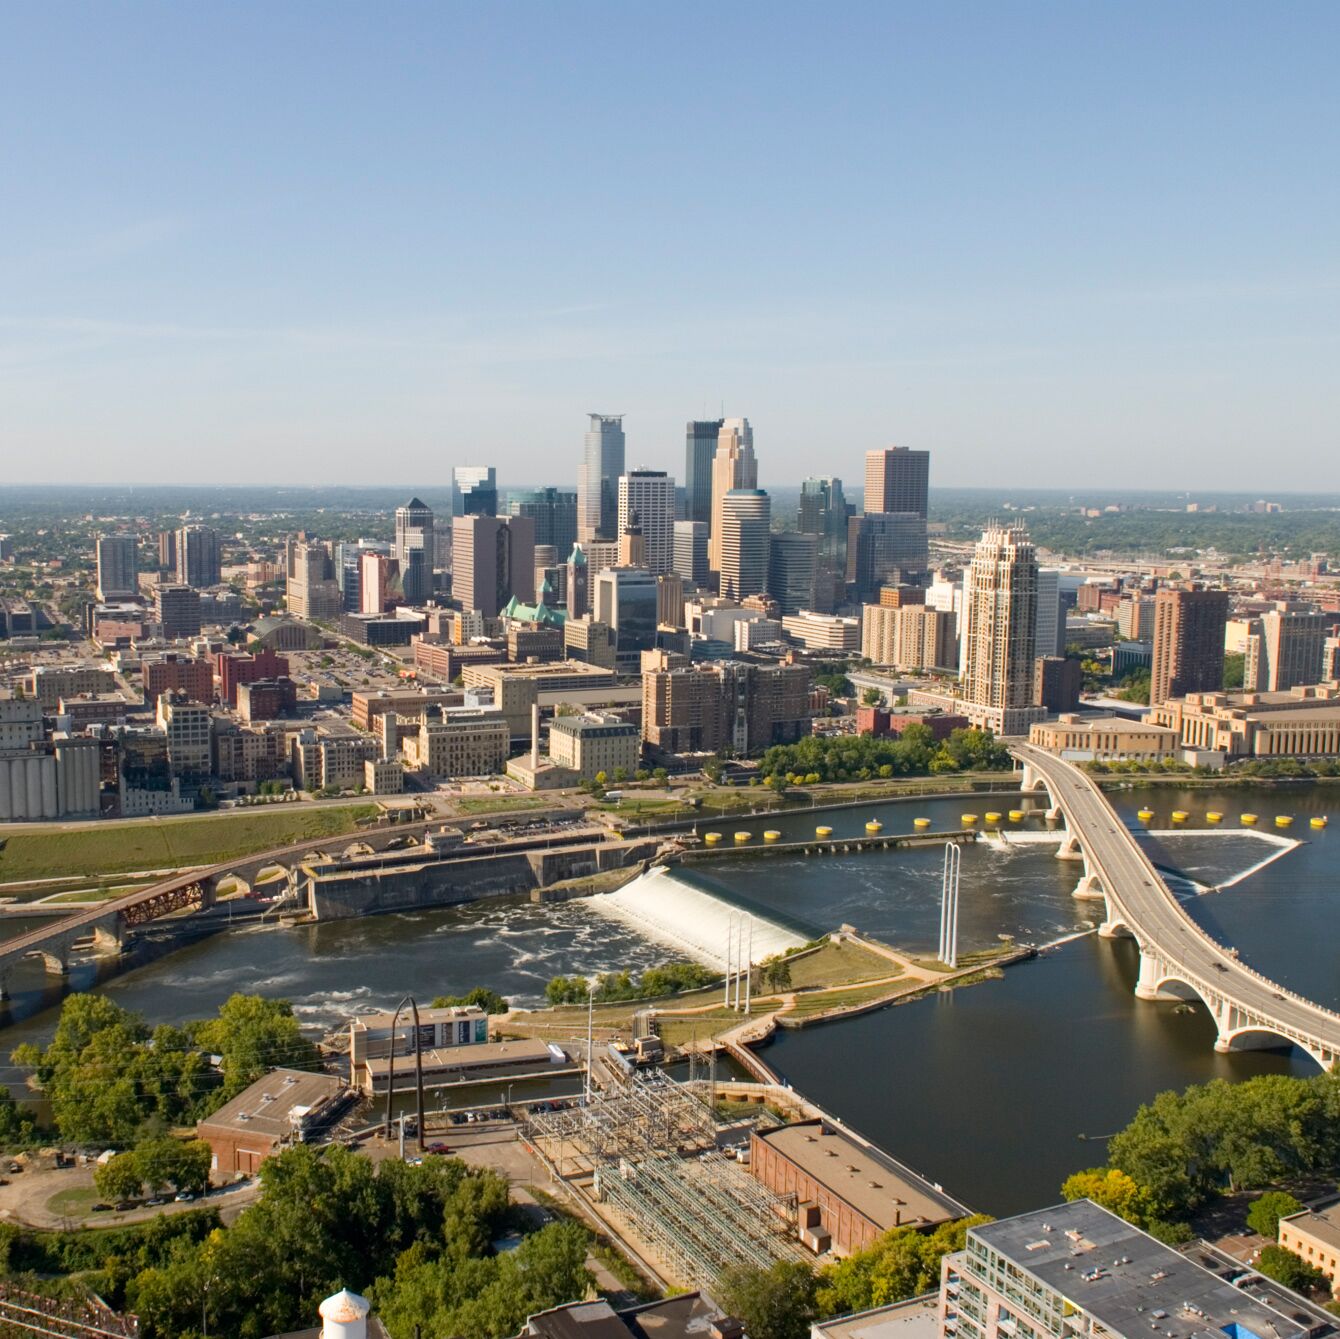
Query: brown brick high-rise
(1188, 642)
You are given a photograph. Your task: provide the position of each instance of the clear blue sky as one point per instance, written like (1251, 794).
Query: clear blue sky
(1054, 243)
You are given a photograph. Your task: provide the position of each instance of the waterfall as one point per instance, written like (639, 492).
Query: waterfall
(667, 910)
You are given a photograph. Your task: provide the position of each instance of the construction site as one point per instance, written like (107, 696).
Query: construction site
(650, 1158)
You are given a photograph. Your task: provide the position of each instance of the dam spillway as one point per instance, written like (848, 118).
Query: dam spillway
(669, 910)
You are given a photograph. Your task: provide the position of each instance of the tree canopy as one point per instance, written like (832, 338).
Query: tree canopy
(861, 757)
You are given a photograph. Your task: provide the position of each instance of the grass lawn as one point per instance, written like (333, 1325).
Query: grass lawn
(501, 804)
(167, 843)
(807, 1005)
(73, 1202)
(836, 964)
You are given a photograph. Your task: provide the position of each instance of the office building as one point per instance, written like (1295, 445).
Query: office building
(415, 550)
(590, 641)
(397, 628)
(733, 467)
(197, 556)
(378, 583)
(1104, 738)
(494, 561)
(1188, 642)
(632, 544)
(516, 689)
(1135, 618)
(705, 707)
(1330, 660)
(311, 587)
(188, 727)
(793, 570)
(555, 515)
(167, 552)
(177, 609)
(459, 741)
(700, 449)
(118, 572)
(171, 672)
(1057, 681)
(233, 669)
(1284, 648)
(670, 600)
(886, 549)
(1077, 1271)
(896, 479)
(596, 742)
(690, 553)
(1048, 625)
(598, 478)
(349, 570)
(825, 512)
(1001, 619)
(744, 548)
(474, 491)
(823, 632)
(627, 600)
(649, 495)
(1302, 722)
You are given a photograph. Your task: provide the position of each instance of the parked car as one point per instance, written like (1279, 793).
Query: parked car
(101, 1208)
(123, 1205)
(438, 1148)
(185, 1196)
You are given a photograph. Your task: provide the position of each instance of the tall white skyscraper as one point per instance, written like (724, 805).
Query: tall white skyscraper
(598, 479)
(734, 466)
(1001, 602)
(650, 495)
(746, 524)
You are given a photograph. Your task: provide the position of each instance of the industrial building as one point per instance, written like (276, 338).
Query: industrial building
(847, 1191)
(286, 1107)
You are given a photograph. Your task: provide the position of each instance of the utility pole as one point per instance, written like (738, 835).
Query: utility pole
(590, 1041)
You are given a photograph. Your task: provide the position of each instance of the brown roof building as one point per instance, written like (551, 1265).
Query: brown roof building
(287, 1106)
(849, 1192)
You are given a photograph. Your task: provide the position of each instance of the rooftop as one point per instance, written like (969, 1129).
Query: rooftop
(916, 1318)
(689, 1316)
(1131, 1283)
(263, 1109)
(1324, 1224)
(874, 1184)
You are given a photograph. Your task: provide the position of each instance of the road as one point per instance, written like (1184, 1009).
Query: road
(1139, 899)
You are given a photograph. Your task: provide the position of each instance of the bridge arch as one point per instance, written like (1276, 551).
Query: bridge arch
(1255, 1037)
(273, 873)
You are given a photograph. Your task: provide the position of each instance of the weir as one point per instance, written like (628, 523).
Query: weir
(668, 910)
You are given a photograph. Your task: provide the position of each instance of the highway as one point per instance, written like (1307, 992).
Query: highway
(1139, 900)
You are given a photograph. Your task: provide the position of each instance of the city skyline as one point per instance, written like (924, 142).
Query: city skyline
(208, 249)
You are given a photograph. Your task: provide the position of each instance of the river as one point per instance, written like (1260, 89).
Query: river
(986, 1090)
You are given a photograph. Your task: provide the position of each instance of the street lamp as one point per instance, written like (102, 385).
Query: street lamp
(418, 1067)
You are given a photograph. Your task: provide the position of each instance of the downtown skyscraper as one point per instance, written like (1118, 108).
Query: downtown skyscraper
(734, 466)
(598, 479)
(700, 449)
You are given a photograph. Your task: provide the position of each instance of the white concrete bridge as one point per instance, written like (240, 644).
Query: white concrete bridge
(1178, 959)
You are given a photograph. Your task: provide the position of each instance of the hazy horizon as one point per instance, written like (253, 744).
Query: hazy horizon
(299, 245)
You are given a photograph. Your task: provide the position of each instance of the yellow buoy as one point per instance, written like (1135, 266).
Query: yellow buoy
(1180, 815)
(1145, 815)
(823, 832)
(711, 838)
(1283, 820)
(874, 825)
(1319, 821)
(969, 820)
(993, 817)
(1017, 815)
(771, 835)
(1248, 819)
(921, 822)
(1213, 816)
(743, 836)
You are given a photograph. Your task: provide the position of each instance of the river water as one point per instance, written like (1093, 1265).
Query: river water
(987, 1090)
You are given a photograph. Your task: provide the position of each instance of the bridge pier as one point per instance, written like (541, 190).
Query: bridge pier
(107, 943)
(56, 964)
(1090, 889)
(1070, 848)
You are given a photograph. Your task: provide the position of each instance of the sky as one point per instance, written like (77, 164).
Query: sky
(326, 242)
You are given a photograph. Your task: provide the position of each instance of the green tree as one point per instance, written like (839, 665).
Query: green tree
(119, 1178)
(488, 1000)
(871, 697)
(1290, 1269)
(253, 1035)
(1235, 664)
(1264, 1214)
(775, 1303)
